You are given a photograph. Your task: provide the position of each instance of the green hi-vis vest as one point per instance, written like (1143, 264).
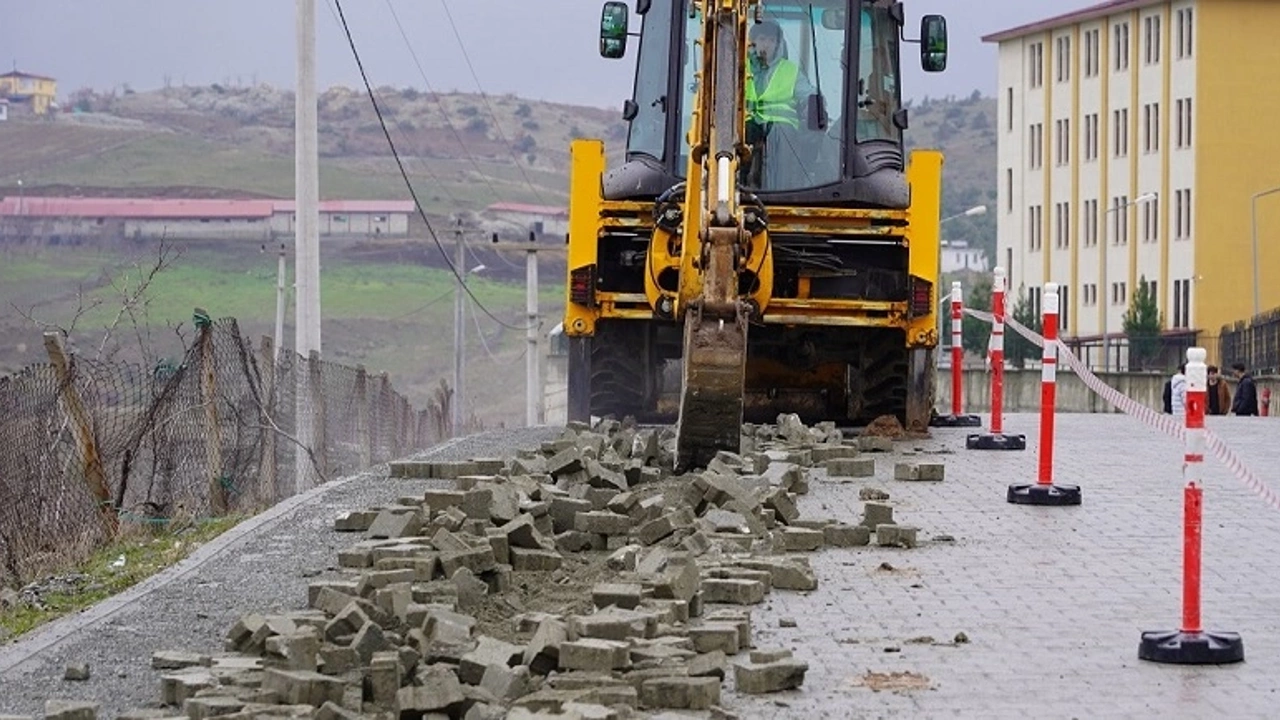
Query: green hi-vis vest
(774, 104)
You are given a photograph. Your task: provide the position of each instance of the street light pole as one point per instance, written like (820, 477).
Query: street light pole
(1254, 207)
(22, 195)
(459, 264)
(1106, 305)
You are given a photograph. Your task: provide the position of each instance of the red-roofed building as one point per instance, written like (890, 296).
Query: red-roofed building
(197, 219)
(542, 219)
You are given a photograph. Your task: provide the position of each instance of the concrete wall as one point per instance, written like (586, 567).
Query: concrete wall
(1022, 391)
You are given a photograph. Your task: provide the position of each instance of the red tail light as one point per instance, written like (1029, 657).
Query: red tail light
(921, 297)
(582, 285)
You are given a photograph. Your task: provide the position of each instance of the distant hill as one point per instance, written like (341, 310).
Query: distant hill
(462, 151)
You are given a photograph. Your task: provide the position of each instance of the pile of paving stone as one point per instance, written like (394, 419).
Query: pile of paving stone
(662, 625)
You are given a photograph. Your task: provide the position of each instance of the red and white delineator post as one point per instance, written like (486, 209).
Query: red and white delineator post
(957, 418)
(1192, 645)
(1044, 492)
(996, 439)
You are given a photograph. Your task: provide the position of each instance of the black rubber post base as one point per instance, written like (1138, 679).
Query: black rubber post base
(955, 421)
(1038, 494)
(1000, 441)
(1202, 648)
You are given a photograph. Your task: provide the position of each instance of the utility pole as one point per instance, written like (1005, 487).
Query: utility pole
(306, 229)
(459, 265)
(533, 386)
(280, 304)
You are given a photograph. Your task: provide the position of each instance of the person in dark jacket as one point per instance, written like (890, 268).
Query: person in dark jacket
(1219, 395)
(1246, 402)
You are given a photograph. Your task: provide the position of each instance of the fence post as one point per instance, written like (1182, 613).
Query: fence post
(268, 493)
(361, 399)
(212, 431)
(82, 430)
(318, 426)
(384, 390)
(997, 439)
(1192, 645)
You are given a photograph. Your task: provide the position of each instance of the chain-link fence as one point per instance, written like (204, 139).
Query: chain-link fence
(86, 446)
(1256, 343)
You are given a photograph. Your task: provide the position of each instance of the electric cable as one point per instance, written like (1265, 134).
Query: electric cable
(405, 175)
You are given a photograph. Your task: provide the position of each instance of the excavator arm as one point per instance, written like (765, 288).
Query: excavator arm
(715, 243)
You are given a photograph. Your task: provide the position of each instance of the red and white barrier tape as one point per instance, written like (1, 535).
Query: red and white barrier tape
(1167, 424)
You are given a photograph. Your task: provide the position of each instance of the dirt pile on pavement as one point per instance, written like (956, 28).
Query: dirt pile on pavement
(579, 579)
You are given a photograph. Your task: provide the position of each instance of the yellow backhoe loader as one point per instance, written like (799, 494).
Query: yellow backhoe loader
(766, 247)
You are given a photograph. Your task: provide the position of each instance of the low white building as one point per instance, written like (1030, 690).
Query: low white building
(957, 256)
(541, 219)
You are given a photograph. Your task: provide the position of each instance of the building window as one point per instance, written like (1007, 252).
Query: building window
(1062, 225)
(1091, 53)
(1121, 46)
(1035, 59)
(1120, 131)
(1119, 293)
(1151, 128)
(1062, 58)
(1151, 39)
(1035, 228)
(1182, 214)
(1091, 137)
(1151, 221)
(1008, 190)
(1182, 303)
(1089, 223)
(1183, 123)
(1120, 221)
(1009, 108)
(1064, 307)
(1033, 296)
(1062, 141)
(1184, 33)
(1035, 152)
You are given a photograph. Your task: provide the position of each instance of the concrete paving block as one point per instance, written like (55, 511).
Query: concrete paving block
(396, 524)
(902, 536)
(784, 573)
(679, 581)
(732, 591)
(449, 627)
(602, 523)
(684, 693)
(801, 539)
(782, 504)
(844, 535)
(440, 500)
(850, 467)
(722, 636)
(623, 595)
(59, 709)
(354, 520)
(438, 690)
(334, 711)
(489, 465)
(614, 624)
(202, 708)
(918, 471)
(542, 654)
(489, 651)
(767, 655)
(529, 560)
(737, 617)
(756, 678)
(594, 654)
(876, 513)
(409, 469)
(178, 660)
(624, 558)
(176, 687)
(384, 679)
(300, 687)
(477, 503)
(712, 664)
(875, 443)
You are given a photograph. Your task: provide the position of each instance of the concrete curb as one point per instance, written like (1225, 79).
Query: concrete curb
(51, 635)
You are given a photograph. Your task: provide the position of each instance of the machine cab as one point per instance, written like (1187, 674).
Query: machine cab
(823, 100)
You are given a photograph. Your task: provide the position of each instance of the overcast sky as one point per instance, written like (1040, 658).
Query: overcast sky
(141, 42)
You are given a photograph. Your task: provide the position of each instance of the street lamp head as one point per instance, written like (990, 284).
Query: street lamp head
(1145, 198)
(478, 268)
(976, 210)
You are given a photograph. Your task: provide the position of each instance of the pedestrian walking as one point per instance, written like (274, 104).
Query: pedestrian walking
(1219, 395)
(1246, 402)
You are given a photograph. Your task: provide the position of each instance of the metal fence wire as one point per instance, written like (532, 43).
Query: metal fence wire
(87, 446)
(1256, 344)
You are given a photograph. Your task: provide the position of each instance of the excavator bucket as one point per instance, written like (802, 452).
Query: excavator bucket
(711, 395)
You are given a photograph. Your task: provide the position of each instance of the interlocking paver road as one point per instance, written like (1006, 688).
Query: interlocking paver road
(1053, 600)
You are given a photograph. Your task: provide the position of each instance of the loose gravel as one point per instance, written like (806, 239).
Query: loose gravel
(265, 571)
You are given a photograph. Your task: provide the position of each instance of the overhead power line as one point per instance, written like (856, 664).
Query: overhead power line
(346, 29)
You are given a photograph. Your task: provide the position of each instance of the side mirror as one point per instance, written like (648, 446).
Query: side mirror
(933, 43)
(613, 30)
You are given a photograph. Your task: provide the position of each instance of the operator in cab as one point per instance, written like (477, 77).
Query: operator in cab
(777, 95)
